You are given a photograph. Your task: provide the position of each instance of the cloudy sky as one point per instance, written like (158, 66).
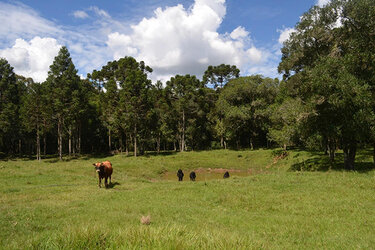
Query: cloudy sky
(171, 36)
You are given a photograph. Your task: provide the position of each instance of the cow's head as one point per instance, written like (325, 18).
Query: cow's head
(99, 167)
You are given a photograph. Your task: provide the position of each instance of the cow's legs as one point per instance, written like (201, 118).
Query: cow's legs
(100, 182)
(110, 180)
(106, 182)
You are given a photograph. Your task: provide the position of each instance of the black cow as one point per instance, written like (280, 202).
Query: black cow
(180, 175)
(226, 175)
(192, 176)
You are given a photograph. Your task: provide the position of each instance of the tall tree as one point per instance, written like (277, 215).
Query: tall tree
(32, 113)
(135, 98)
(63, 84)
(219, 75)
(359, 45)
(244, 103)
(161, 118)
(183, 91)
(325, 62)
(9, 106)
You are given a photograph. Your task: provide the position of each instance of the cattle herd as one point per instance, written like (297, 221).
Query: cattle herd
(104, 170)
(193, 175)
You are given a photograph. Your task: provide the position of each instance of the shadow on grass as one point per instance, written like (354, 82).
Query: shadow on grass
(161, 153)
(113, 184)
(10, 157)
(77, 157)
(54, 158)
(320, 162)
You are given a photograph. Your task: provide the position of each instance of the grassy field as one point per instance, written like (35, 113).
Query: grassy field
(296, 202)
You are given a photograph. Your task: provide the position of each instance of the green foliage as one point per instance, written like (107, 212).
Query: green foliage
(326, 100)
(286, 118)
(325, 64)
(218, 76)
(9, 105)
(243, 105)
(126, 103)
(63, 83)
(187, 97)
(64, 95)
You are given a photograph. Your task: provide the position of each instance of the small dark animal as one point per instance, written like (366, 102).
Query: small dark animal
(104, 170)
(226, 175)
(180, 175)
(192, 176)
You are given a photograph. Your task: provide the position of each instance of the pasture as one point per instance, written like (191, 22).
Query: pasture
(294, 202)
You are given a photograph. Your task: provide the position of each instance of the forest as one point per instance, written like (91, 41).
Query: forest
(325, 100)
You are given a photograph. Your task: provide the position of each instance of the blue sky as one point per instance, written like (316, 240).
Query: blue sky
(172, 36)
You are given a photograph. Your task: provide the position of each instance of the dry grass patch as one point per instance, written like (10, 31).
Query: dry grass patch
(146, 220)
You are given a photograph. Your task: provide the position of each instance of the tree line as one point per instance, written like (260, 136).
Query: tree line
(325, 101)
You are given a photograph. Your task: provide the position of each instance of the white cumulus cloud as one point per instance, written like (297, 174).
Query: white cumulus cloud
(33, 58)
(239, 32)
(285, 34)
(176, 40)
(172, 40)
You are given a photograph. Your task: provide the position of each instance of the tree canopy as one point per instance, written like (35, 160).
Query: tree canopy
(325, 101)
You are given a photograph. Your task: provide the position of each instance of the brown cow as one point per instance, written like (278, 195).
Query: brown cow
(104, 170)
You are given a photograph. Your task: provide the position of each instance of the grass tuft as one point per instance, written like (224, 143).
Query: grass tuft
(146, 220)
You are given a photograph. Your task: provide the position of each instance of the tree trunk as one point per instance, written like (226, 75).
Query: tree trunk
(45, 145)
(158, 144)
(79, 138)
(284, 146)
(135, 140)
(373, 156)
(38, 157)
(44, 137)
(174, 146)
(109, 140)
(74, 145)
(221, 141)
(251, 144)
(19, 147)
(183, 132)
(70, 140)
(121, 146)
(126, 145)
(349, 155)
(59, 137)
(331, 145)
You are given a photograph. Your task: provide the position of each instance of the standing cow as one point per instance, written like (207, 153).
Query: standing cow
(226, 175)
(180, 175)
(192, 176)
(104, 170)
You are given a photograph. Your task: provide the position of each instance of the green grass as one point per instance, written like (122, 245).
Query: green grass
(57, 205)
